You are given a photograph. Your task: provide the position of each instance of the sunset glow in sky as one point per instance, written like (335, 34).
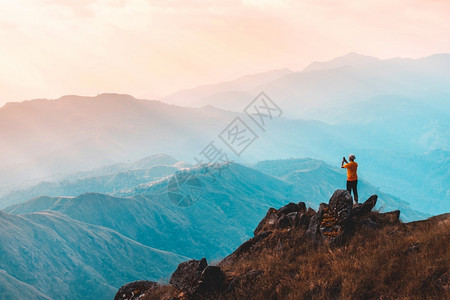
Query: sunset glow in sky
(150, 48)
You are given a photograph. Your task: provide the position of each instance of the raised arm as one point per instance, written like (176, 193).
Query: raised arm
(344, 161)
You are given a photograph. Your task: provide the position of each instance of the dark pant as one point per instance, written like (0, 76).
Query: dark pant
(351, 185)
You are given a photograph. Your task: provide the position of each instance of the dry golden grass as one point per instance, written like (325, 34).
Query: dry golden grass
(402, 261)
(373, 264)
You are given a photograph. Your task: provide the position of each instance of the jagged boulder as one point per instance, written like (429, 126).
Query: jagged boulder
(284, 221)
(334, 221)
(285, 217)
(268, 221)
(187, 275)
(331, 222)
(341, 204)
(301, 207)
(302, 220)
(135, 290)
(314, 224)
(288, 208)
(197, 280)
(366, 207)
(211, 282)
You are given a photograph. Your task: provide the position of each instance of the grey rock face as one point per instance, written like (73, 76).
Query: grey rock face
(211, 282)
(135, 290)
(366, 207)
(187, 274)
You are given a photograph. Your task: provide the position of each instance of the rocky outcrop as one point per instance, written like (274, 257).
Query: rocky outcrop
(187, 274)
(135, 290)
(210, 283)
(335, 221)
(267, 222)
(290, 215)
(366, 207)
(196, 280)
(313, 230)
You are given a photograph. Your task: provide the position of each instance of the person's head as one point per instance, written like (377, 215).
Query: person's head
(351, 157)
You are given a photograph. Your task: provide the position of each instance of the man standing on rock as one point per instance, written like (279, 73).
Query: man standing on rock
(352, 178)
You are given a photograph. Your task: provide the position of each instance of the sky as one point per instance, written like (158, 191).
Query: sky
(151, 48)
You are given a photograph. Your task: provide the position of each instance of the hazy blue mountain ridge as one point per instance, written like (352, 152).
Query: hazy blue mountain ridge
(67, 259)
(233, 203)
(42, 138)
(337, 83)
(105, 180)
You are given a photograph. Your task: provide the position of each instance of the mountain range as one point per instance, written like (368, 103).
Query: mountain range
(332, 84)
(49, 255)
(43, 138)
(393, 114)
(107, 179)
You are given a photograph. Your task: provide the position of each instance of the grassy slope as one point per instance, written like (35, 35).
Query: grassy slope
(377, 263)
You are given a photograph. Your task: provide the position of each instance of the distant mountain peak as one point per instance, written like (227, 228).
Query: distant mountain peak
(351, 59)
(355, 55)
(71, 98)
(103, 96)
(194, 95)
